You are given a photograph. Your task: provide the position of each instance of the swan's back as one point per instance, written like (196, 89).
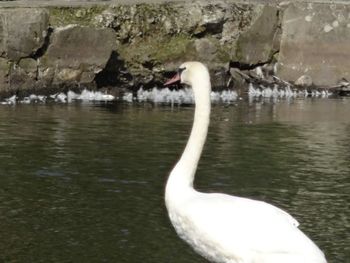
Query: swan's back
(225, 228)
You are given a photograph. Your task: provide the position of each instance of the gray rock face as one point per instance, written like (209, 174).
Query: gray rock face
(257, 44)
(22, 34)
(153, 39)
(77, 53)
(23, 75)
(132, 45)
(4, 72)
(315, 42)
(22, 31)
(304, 80)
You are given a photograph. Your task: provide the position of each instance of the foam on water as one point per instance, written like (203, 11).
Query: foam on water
(181, 96)
(185, 96)
(286, 92)
(61, 97)
(89, 96)
(165, 95)
(10, 101)
(128, 96)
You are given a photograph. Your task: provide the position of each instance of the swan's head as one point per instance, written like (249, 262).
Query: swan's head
(190, 73)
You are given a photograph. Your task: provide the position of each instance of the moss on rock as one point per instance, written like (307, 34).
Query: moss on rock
(157, 50)
(84, 16)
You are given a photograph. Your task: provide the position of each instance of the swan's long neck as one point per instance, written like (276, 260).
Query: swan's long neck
(182, 176)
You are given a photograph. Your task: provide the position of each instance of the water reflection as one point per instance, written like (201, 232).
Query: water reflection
(85, 182)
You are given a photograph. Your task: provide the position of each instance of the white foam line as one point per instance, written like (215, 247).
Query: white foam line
(286, 92)
(182, 96)
(61, 97)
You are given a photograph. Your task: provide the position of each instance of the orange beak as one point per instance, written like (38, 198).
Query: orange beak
(173, 80)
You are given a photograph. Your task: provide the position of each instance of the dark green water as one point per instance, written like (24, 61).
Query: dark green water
(85, 183)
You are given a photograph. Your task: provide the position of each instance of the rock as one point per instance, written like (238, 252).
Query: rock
(77, 53)
(219, 75)
(213, 18)
(315, 41)
(256, 45)
(68, 74)
(23, 75)
(87, 77)
(4, 72)
(205, 49)
(154, 39)
(188, 19)
(238, 79)
(23, 31)
(139, 44)
(30, 67)
(304, 80)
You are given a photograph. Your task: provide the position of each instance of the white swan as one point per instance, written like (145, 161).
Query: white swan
(224, 228)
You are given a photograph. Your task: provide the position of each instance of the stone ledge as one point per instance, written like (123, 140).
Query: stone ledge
(138, 45)
(77, 3)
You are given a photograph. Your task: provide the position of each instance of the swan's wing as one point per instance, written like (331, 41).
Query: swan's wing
(245, 209)
(287, 216)
(247, 226)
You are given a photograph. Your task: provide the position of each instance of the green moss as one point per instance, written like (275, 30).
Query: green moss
(239, 53)
(223, 52)
(174, 48)
(5, 65)
(141, 19)
(62, 16)
(28, 64)
(158, 50)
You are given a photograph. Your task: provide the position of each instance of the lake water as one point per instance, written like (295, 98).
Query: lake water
(85, 182)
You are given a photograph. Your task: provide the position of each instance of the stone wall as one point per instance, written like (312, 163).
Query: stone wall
(315, 42)
(131, 45)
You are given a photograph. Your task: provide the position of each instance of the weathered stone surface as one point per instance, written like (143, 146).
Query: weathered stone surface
(4, 72)
(22, 31)
(315, 41)
(206, 48)
(256, 45)
(30, 66)
(131, 45)
(23, 75)
(77, 53)
(304, 80)
(153, 39)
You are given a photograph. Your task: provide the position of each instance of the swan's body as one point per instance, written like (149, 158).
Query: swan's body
(224, 228)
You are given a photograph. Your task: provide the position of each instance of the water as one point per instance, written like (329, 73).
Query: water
(85, 182)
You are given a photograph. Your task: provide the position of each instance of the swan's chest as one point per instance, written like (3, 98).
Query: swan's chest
(197, 238)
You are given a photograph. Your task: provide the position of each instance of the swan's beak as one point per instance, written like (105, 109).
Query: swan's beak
(173, 80)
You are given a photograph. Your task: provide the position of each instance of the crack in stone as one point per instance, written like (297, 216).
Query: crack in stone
(42, 50)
